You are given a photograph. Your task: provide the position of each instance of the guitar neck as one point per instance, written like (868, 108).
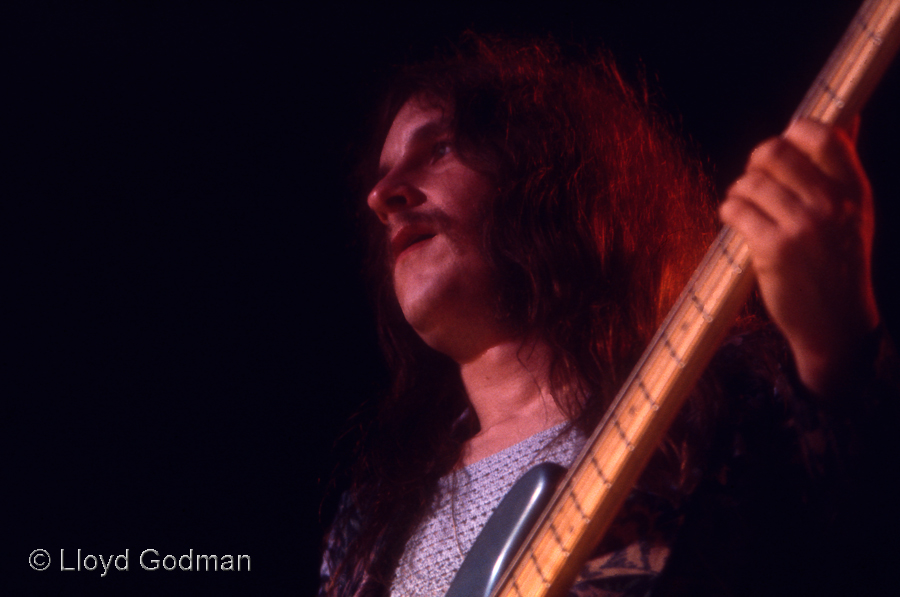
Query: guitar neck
(589, 497)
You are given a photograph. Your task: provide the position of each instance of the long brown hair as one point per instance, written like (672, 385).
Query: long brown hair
(599, 220)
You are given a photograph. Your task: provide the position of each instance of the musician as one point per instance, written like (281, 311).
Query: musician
(534, 219)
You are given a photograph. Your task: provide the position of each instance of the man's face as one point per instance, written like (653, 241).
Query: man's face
(432, 205)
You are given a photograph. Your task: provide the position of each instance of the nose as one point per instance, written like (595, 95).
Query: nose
(393, 194)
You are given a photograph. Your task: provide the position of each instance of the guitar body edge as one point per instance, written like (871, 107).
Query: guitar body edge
(505, 532)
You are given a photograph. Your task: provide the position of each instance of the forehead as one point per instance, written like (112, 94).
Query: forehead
(417, 121)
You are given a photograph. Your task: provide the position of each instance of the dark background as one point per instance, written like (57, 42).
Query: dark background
(187, 333)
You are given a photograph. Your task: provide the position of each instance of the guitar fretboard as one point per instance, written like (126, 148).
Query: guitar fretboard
(602, 476)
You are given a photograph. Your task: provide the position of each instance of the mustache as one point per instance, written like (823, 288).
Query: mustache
(437, 220)
(432, 222)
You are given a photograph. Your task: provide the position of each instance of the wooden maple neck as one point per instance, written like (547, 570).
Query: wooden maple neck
(589, 497)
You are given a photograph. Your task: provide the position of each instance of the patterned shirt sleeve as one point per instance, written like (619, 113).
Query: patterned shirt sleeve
(346, 526)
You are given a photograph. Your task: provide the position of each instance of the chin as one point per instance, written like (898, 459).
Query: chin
(422, 317)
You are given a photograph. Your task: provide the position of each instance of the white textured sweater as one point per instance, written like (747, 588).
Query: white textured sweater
(466, 499)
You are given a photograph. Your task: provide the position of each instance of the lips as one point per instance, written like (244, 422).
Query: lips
(409, 236)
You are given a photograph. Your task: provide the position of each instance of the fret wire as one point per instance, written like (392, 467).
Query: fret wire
(624, 435)
(537, 568)
(884, 23)
(517, 588)
(883, 11)
(701, 276)
(672, 352)
(709, 274)
(876, 13)
(558, 539)
(700, 307)
(603, 477)
(731, 262)
(862, 19)
(647, 395)
(577, 505)
(833, 95)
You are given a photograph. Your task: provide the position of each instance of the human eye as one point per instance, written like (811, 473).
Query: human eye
(441, 149)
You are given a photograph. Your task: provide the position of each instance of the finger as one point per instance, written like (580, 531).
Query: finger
(788, 166)
(748, 218)
(830, 149)
(778, 202)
